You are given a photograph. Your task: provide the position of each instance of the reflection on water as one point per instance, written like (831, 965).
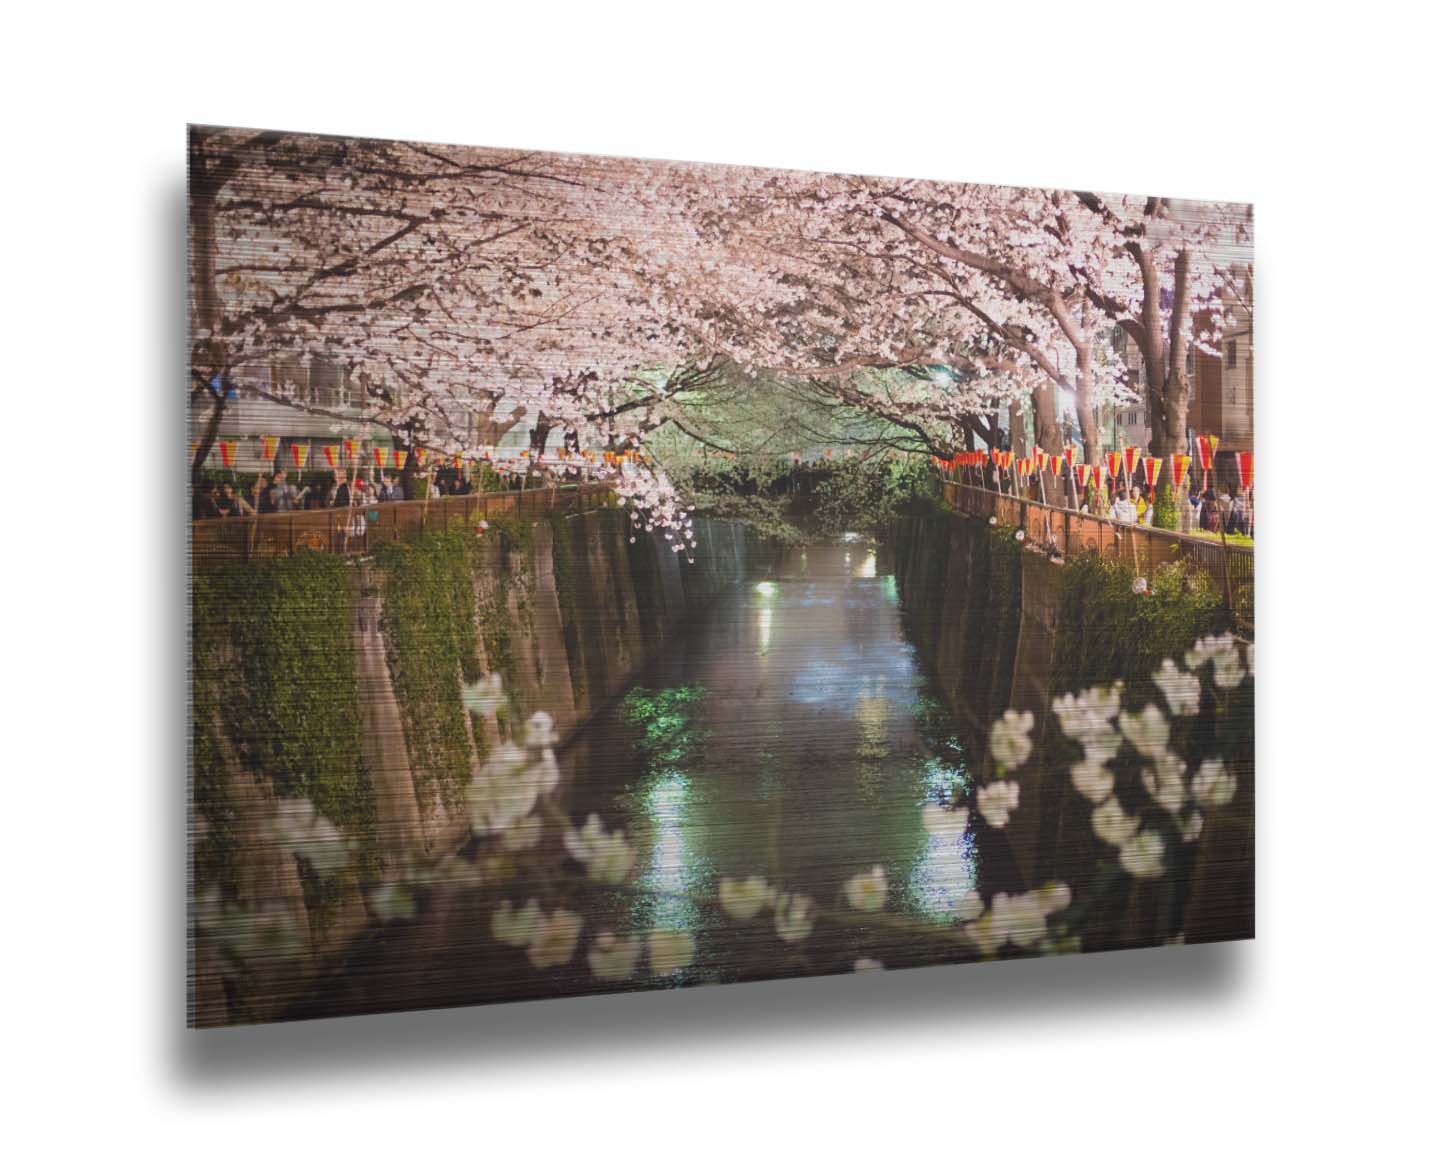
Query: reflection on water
(788, 735)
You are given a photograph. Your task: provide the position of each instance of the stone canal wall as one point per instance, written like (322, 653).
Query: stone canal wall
(340, 681)
(999, 626)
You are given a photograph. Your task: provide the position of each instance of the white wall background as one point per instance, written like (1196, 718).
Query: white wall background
(1321, 1031)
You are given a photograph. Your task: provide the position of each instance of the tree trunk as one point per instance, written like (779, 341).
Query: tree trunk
(207, 359)
(1017, 430)
(1047, 430)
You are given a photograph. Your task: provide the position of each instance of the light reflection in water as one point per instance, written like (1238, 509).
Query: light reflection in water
(671, 871)
(947, 868)
(865, 570)
(766, 617)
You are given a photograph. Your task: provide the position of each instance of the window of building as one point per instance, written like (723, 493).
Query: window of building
(1232, 354)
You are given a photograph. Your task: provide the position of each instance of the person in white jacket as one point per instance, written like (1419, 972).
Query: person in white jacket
(1123, 510)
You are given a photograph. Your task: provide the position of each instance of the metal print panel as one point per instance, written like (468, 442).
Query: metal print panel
(613, 574)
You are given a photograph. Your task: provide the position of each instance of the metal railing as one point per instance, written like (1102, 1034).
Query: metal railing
(1065, 532)
(356, 530)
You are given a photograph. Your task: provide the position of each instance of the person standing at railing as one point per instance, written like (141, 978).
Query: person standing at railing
(1123, 511)
(1189, 512)
(1209, 512)
(342, 491)
(231, 503)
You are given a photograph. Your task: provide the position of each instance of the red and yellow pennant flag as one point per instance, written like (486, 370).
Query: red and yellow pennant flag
(1081, 472)
(1055, 462)
(1131, 451)
(399, 455)
(352, 449)
(1070, 455)
(269, 445)
(1006, 459)
(1179, 466)
(298, 452)
(227, 453)
(332, 454)
(459, 462)
(379, 456)
(1152, 470)
(1246, 460)
(420, 457)
(1112, 461)
(1205, 448)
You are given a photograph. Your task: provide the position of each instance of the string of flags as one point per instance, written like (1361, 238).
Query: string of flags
(350, 451)
(1090, 475)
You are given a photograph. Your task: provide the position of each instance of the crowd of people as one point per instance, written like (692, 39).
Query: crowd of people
(276, 493)
(1131, 501)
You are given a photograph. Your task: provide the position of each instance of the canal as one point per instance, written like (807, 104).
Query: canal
(789, 734)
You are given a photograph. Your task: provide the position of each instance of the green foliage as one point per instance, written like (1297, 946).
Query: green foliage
(665, 720)
(1107, 631)
(275, 675)
(562, 558)
(431, 630)
(1167, 508)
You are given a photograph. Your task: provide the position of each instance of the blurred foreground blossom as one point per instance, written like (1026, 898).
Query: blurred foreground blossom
(1181, 689)
(515, 927)
(613, 957)
(745, 899)
(1148, 731)
(1213, 785)
(1010, 740)
(866, 891)
(485, 696)
(505, 790)
(303, 831)
(606, 855)
(1093, 781)
(669, 951)
(553, 939)
(996, 801)
(794, 917)
(1143, 856)
(1112, 825)
(866, 964)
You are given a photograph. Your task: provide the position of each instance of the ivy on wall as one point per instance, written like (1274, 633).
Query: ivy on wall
(275, 675)
(562, 558)
(431, 637)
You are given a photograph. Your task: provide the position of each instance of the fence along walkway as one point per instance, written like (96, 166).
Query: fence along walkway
(1067, 533)
(355, 531)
